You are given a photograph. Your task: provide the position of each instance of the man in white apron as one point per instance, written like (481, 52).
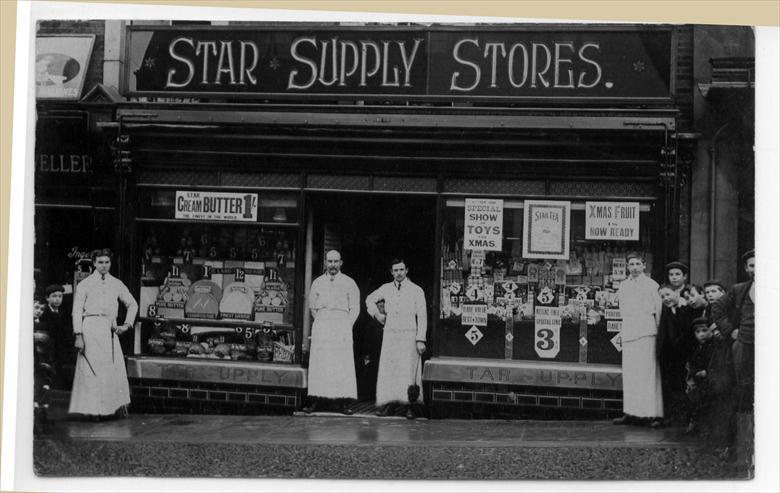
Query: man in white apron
(100, 387)
(334, 302)
(640, 307)
(405, 324)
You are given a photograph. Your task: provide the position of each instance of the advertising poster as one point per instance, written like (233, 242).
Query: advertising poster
(546, 228)
(612, 221)
(216, 206)
(61, 65)
(484, 224)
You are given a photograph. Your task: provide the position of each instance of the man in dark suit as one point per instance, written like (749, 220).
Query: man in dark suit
(739, 305)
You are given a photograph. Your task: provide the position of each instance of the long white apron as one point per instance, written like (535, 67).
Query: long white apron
(398, 365)
(331, 361)
(639, 305)
(642, 395)
(100, 393)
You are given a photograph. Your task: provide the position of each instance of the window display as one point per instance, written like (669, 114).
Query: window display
(219, 291)
(501, 304)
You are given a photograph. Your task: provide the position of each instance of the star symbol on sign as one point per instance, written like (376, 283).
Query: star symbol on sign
(639, 66)
(149, 62)
(274, 63)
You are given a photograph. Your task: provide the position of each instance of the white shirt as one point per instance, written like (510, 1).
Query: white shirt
(96, 295)
(640, 307)
(335, 293)
(405, 307)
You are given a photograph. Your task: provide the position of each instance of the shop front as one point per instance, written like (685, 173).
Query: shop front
(511, 168)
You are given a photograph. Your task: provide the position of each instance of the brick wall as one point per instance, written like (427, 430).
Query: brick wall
(683, 93)
(96, 27)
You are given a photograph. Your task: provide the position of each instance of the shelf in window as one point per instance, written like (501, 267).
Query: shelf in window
(219, 322)
(220, 223)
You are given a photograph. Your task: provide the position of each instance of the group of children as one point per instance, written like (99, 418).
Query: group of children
(697, 372)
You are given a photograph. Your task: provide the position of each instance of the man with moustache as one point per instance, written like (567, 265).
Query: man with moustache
(334, 302)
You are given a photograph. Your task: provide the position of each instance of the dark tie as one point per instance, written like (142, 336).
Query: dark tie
(398, 286)
(103, 277)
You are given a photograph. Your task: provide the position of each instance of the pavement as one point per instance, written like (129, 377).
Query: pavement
(329, 445)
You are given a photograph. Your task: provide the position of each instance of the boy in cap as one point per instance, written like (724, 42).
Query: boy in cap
(673, 346)
(677, 277)
(57, 325)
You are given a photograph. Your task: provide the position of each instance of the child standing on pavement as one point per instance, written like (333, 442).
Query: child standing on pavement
(43, 361)
(698, 379)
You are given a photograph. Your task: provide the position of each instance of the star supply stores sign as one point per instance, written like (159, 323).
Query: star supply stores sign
(523, 62)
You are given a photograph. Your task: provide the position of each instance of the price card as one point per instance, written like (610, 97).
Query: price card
(474, 335)
(477, 259)
(474, 314)
(547, 331)
(617, 341)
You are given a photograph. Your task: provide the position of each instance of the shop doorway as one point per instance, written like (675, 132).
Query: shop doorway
(370, 231)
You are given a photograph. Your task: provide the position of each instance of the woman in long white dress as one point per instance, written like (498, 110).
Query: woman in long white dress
(100, 385)
(640, 307)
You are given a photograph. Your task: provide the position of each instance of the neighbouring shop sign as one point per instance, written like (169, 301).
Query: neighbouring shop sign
(216, 206)
(65, 164)
(546, 228)
(612, 221)
(501, 62)
(483, 227)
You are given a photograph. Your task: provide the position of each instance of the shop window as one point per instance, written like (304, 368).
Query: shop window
(501, 304)
(218, 290)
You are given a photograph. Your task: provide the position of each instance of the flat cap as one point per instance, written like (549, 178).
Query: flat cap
(714, 282)
(53, 288)
(677, 265)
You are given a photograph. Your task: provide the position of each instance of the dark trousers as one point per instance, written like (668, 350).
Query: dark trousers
(744, 368)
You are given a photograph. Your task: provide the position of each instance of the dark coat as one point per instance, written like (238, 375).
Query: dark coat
(57, 326)
(729, 308)
(674, 339)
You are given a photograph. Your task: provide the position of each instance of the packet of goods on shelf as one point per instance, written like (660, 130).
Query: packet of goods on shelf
(238, 302)
(203, 300)
(283, 353)
(172, 297)
(235, 351)
(271, 302)
(254, 274)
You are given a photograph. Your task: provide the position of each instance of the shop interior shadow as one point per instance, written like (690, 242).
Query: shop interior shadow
(371, 231)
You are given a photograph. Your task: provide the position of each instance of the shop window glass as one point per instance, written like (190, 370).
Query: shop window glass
(219, 291)
(584, 324)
